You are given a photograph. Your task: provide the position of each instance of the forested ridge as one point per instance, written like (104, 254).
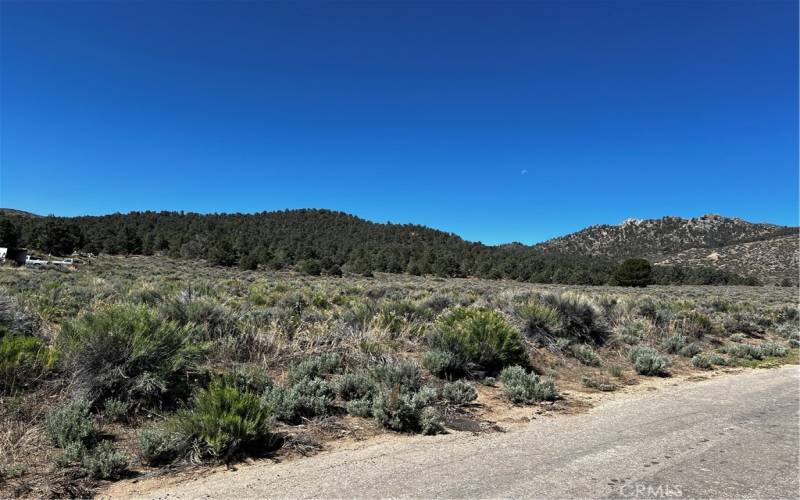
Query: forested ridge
(319, 241)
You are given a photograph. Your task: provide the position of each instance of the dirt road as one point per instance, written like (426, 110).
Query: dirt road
(733, 436)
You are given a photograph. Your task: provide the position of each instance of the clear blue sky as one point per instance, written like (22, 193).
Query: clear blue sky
(497, 121)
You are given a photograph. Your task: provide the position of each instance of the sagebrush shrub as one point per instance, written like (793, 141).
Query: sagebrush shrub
(314, 367)
(441, 363)
(537, 318)
(160, 444)
(585, 354)
(430, 422)
(745, 351)
(104, 462)
(115, 410)
(689, 350)
(632, 331)
(209, 319)
(769, 349)
(129, 353)
(459, 392)
(402, 375)
(647, 361)
(478, 339)
(523, 387)
(71, 423)
(359, 407)
(394, 409)
(358, 385)
(16, 319)
(579, 318)
(674, 343)
(702, 362)
(307, 398)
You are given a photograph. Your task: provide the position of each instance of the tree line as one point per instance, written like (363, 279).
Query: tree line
(320, 242)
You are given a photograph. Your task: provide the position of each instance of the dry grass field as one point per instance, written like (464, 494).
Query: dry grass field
(147, 365)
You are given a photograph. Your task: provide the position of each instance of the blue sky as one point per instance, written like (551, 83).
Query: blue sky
(497, 121)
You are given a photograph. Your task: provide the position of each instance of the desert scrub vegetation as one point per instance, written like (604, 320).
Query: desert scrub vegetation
(128, 352)
(476, 341)
(148, 361)
(520, 386)
(647, 361)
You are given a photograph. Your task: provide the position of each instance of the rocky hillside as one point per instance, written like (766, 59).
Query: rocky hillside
(767, 251)
(665, 236)
(771, 260)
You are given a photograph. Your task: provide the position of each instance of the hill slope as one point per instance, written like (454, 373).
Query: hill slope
(655, 237)
(317, 241)
(771, 260)
(767, 251)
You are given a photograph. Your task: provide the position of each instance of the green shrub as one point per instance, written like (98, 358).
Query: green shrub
(160, 444)
(208, 319)
(129, 353)
(631, 332)
(648, 361)
(355, 386)
(689, 350)
(360, 407)
(702, 362)
(770, 349)
(674, 343)
(737, 337)
(459, 392)
(103, 462)
(23, 361)
(402, 411)
(16, 319)
(404, 376)
(717, 360)
(307, 398)
(479, 340)
(430, 422)
(579, 318)
(537, 318)
(522, 387)
(70, 424)
(696, 325)
(223, 420)
(72, 453)
(395, 410)
(585, 354)
(115, 410)
(441, 363)
(314, 367)
(745, 351)
(251, 378)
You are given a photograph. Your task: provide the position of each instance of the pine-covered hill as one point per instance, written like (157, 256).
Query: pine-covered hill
(318, 241)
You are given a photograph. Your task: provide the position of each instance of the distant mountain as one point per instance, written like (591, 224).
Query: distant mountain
(771, 260)
(15, 212)
(766, 251)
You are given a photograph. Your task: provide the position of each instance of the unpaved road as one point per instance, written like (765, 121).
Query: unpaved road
(732, 436)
